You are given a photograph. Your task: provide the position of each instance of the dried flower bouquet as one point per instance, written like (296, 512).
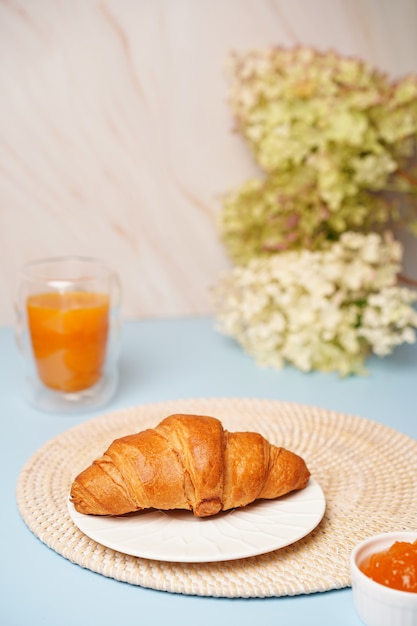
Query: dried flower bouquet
(335, 141)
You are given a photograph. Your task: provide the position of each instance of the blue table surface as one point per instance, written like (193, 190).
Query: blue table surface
(167, 360)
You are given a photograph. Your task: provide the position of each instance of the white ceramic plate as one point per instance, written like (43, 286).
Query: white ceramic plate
(178, 536)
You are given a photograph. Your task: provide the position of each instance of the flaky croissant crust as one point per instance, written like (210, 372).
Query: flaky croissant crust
(187, 462)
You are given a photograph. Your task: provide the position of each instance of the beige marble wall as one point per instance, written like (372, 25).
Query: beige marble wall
(116, 139)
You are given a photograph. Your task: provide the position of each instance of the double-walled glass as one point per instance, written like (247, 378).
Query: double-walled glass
(68, 327)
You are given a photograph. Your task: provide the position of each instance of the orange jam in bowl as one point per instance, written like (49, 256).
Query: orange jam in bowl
(395, 567)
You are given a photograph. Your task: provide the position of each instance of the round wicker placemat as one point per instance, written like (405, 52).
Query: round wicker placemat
(366, 470)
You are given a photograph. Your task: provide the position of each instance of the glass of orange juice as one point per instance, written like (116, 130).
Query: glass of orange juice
(68, 322)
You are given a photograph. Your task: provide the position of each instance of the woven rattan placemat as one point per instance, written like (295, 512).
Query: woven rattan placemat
(366, 470)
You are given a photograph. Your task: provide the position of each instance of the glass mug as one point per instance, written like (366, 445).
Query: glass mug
(67, 329)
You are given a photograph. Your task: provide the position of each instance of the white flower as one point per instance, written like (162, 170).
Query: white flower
(324, 310)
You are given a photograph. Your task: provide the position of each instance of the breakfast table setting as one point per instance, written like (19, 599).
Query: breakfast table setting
(285, 560)
(208, 313)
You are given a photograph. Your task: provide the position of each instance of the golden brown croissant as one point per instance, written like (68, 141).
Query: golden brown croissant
(187, 462)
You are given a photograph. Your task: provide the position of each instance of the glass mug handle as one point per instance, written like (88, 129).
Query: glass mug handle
(19, 326)
(115, 323)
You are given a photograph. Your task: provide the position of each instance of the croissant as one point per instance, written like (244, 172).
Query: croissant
(187, 462)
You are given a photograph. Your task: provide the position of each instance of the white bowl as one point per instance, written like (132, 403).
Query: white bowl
(376, 604)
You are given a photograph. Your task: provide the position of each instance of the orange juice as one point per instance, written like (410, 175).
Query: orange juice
(69, 336)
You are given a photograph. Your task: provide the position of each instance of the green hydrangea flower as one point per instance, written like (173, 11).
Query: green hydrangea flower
(330, 134)
(286, 212)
